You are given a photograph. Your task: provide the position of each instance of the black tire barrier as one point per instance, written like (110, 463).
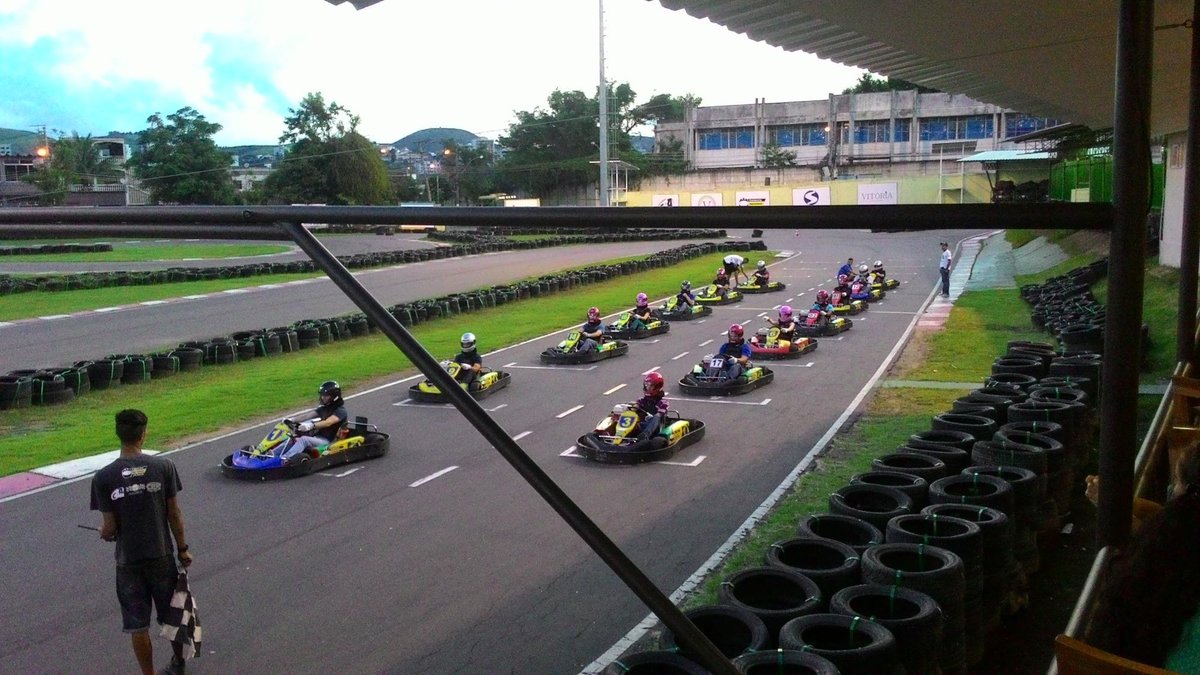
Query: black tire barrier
(1028, 488)
(956, 439)
(50, 389)
(138, 367)
(855, 645)
(75, 377)
(773, 594)
(104, 373)
(654, 663)
(981, 428)
(1001, 571)
(914, 618)
(1023, 382)
(16, 391)
(856, 533)
(955, 459)
(733, 631)
(1020, 365)
(1056, 453)
(875, 504)
(190, 358)
(831, 564)
(1085, 369)
(1052, 429)
(787, 661)
(289, 340)
(992, 453)
(965, 406)
(925, 466)
(220, 353)
(50, 249)
(166, 364)
(978, 490)
(931, 570)
(915, 487)
(964, 539)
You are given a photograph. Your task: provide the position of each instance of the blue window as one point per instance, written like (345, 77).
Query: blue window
(903, 126)
(956, 128)
(722, 139)
(1016, 124)
(872, 131)
(796, 135)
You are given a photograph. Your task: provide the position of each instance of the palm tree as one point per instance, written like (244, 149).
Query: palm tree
(79, 158)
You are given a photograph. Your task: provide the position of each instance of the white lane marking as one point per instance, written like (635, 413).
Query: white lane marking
(654, 341)
(568, 411)
(51, 317)
(616, 388)
(148, 303)
(694, 462)
(270, 286)
(407, 400)
(343, 474)
(765, 401)
(841, 337)
(764, 313)
(792, 365)
(790, 299)
(570, 452)
(106, 309)
(886, 311)
(702, 320)
(564, 368)
(235, 291)
(521, 435)
(651, 370)
(6, 323)
(679, 356)
(432, 476)
(799, 294)
(811, 288)
(777, 306)
(718, 400)
(706, 342)
(509, 365)
(502, 405)
(195, 297)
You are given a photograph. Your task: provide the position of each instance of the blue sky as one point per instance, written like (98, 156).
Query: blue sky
(93, 66)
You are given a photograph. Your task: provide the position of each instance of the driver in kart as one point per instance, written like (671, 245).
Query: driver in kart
(736, 351)
(722, 282)
(864, 275)
(878, 272)
(761, 276)
(592, 331)
(843, 284)
(469, 359)
(786, 323)
(641, 315)
(685, 297)
(324, 427)
(652, 405)
(823, 305)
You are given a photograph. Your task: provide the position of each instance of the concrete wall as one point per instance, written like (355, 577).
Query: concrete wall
(910, 189)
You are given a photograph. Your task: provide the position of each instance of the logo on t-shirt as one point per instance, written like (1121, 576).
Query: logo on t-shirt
(133, 471)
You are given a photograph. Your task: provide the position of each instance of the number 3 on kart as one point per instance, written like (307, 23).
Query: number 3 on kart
(626, 421)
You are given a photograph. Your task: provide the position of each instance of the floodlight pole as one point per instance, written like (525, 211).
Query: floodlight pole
(603, 96)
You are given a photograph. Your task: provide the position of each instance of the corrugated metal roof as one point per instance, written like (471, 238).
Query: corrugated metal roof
(1047, 58)
(1007, 156)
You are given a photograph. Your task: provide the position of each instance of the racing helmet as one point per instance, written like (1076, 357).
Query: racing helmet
(652, 384)
(823, 296)
(843, 279)
(642, 299)
(736, 333)
(878, 265)
(593, 313)
(331, 389)
(862, 269)
(785, 313)
(721, 271)
(761, 264)
(468, 342)
(685, 286)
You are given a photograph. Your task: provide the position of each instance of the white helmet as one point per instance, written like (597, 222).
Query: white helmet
(862, 267)
(468, 342)
(762, 265)
(878, 264)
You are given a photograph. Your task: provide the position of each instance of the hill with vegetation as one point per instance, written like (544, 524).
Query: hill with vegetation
(433, 140)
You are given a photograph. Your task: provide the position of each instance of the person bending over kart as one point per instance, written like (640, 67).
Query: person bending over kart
(736, 351)
(846, 269)
(722, 282)
(652, 405)
(469, 359)
(592, 331)
(733, 267)
(786, 323)
(324, 427)
(685, 295)
(823, 305)
(761, 276)
(641, 315)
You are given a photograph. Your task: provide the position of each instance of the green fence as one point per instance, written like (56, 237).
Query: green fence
(1096, 174)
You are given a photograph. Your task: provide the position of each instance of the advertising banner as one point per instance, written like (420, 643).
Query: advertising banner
(707, 199)
(872, 194)
(665, 200)
(753, 198)
(818, 196)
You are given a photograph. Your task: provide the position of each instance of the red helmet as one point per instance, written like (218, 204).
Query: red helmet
(823, 296)
(842, 279)
(736, 332)
(653, 383)
(593, 313)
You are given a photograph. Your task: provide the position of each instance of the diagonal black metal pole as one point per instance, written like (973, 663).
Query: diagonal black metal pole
(706, 653)
(1189, 258)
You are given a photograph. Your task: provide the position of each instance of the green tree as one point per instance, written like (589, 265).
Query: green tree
(469, 170)
(328, 161)
(73, 160)
(868, 83)
(775, 157)
(180, 163)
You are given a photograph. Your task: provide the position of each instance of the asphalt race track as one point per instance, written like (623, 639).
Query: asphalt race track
(438, 558)
(144, 328)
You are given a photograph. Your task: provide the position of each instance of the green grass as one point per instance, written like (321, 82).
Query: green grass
(193, 405)
(893, 416)
(529, 237)
(136, 253)
(42, 303)
(1160, 309)
(1019, 238)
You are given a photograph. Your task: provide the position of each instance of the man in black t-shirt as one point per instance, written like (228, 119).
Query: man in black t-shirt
(136, 494)
(470, 361)
(328, 419)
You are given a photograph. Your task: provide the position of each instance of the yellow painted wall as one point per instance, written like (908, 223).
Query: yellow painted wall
(912, 190)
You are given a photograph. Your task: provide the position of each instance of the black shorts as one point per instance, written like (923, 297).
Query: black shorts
(142, 583)
(730, 268)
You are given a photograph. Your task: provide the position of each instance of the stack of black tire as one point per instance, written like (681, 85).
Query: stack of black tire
(1065, 307)
(50, 249)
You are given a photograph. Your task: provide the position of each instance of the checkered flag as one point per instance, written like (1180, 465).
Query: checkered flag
(181, 624)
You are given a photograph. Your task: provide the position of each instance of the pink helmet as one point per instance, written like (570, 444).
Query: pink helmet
(823, 296)
(785, 313)
(842, 279)
(642, 299)
(721, 271)
(736, 332)
(593, 313)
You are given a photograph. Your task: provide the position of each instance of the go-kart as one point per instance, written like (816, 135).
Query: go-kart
(882, 281)
(623, 329)
(673, 310)
(765, 344)
(616, 440)
(709, 295)
(488, 383)
(355, 442)
(710, 378)
(817, 325)
(843, 304)
(862, 291)
(570, 351)
(770, 287)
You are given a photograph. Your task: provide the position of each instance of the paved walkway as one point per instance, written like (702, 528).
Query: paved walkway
(961, 272)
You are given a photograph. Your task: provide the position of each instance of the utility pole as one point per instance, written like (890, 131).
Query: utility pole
(603, 117)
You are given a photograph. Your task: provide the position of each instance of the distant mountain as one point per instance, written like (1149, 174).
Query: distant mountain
(433, 140)
(643, 144)
(251, 150)
(22, 142)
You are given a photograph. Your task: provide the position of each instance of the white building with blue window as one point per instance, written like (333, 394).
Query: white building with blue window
(847, 133)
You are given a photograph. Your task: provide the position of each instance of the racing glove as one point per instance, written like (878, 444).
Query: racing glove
(306, 427)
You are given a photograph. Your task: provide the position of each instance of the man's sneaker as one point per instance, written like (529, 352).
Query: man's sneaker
(177, 666)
